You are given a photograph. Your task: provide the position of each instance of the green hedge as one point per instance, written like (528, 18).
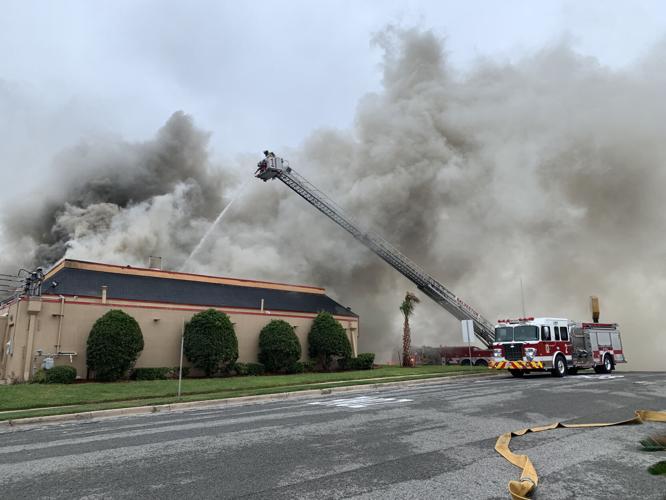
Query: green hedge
(240, 369)
(244, 369)
(296, 367)
(113, 346)
(364, 361)
(176, 369)
(210, 341)
(64, 374)
(308, 366)
(255, 369)
(39, 377)
(279, 347)
(327, 339)
(160, 373)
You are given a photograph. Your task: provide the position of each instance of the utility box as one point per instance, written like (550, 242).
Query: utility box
(34, 305)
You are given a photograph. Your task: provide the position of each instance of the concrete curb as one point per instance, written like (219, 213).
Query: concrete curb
(237, 401)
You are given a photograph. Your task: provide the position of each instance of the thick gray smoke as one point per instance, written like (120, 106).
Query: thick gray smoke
(550, 168)
(113, 200)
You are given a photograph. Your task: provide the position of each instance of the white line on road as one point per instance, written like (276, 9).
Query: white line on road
(359, 402)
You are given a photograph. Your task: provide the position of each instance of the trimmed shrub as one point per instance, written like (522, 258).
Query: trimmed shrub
(241, 369)
(64, 374)
(327, 339)
(210, 341)
(173, 372)
(279, 347)
(39, 377)
(255, 369)
(364, 361)
(160, 373)
(308, 366)
(296, 367)
(114, 344)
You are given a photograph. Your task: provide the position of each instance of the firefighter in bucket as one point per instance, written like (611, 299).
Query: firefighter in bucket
(269, 167)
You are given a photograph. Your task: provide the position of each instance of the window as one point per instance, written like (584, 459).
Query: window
(564, 333)
(556, 333)
(526, 332)
(503, 334)
(545, 332)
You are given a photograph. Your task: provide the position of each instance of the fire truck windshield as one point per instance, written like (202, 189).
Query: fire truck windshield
(520, 332)
(503, 334)
(526, 332)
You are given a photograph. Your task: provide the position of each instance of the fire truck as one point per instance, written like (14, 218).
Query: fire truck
(520, 346)
(465, 355)
(557, 345)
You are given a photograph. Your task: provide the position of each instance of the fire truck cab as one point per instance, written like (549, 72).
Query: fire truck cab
(559, 345)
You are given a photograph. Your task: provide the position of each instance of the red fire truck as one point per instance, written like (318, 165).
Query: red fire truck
(562, 346)
(460, 355)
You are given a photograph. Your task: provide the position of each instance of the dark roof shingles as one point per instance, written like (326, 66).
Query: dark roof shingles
(152, 289)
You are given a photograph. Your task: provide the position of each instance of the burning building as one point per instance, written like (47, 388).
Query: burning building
(56, 322)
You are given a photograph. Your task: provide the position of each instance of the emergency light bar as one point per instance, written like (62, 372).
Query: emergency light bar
(519, 320)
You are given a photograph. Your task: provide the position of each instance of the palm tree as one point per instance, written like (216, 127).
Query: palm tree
(407, 309)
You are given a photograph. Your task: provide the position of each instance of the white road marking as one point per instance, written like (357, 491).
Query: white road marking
(359, 402)
(600, 377)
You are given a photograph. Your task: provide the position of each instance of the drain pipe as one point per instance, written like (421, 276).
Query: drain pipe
(60, 316)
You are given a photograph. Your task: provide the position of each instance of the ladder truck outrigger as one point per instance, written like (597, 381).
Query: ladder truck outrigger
(512, 354)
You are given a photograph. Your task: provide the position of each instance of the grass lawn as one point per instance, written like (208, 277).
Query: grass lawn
(51, 399)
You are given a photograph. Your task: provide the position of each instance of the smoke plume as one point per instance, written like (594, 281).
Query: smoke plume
(549, 169)
(109, 199)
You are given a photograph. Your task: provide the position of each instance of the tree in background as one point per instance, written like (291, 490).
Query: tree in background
(327, 338)
(407, 309)
(279, 347)
(113, 346)
(210, 341)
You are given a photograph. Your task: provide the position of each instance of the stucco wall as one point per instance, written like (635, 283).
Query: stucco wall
(161, 325)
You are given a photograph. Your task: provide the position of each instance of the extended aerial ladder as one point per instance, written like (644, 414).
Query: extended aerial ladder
(273, 167)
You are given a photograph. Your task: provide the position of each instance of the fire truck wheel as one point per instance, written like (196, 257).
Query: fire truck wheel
(607, 367)
(517, 373)
(560, 369)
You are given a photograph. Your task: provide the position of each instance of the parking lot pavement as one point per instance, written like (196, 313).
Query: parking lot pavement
(430, 441)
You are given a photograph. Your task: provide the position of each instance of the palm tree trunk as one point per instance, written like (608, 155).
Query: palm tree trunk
(406, 344)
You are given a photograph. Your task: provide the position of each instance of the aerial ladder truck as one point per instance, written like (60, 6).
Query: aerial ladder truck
(274, 167)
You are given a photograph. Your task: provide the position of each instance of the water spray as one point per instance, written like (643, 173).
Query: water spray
(215, 223)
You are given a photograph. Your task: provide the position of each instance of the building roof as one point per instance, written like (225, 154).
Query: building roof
(85, 279)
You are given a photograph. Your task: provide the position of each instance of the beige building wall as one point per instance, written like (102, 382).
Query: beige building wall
(53, 325)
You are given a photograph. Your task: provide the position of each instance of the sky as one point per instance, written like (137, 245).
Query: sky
(255, 74)
(317, 80)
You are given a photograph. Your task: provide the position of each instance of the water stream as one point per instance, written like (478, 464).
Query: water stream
(215, 223)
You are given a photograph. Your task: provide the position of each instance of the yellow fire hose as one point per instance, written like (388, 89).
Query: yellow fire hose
(523, 488)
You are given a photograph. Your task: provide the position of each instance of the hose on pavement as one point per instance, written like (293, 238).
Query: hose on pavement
(523, 488)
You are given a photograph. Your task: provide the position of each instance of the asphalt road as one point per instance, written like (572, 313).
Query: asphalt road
(427, 441)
